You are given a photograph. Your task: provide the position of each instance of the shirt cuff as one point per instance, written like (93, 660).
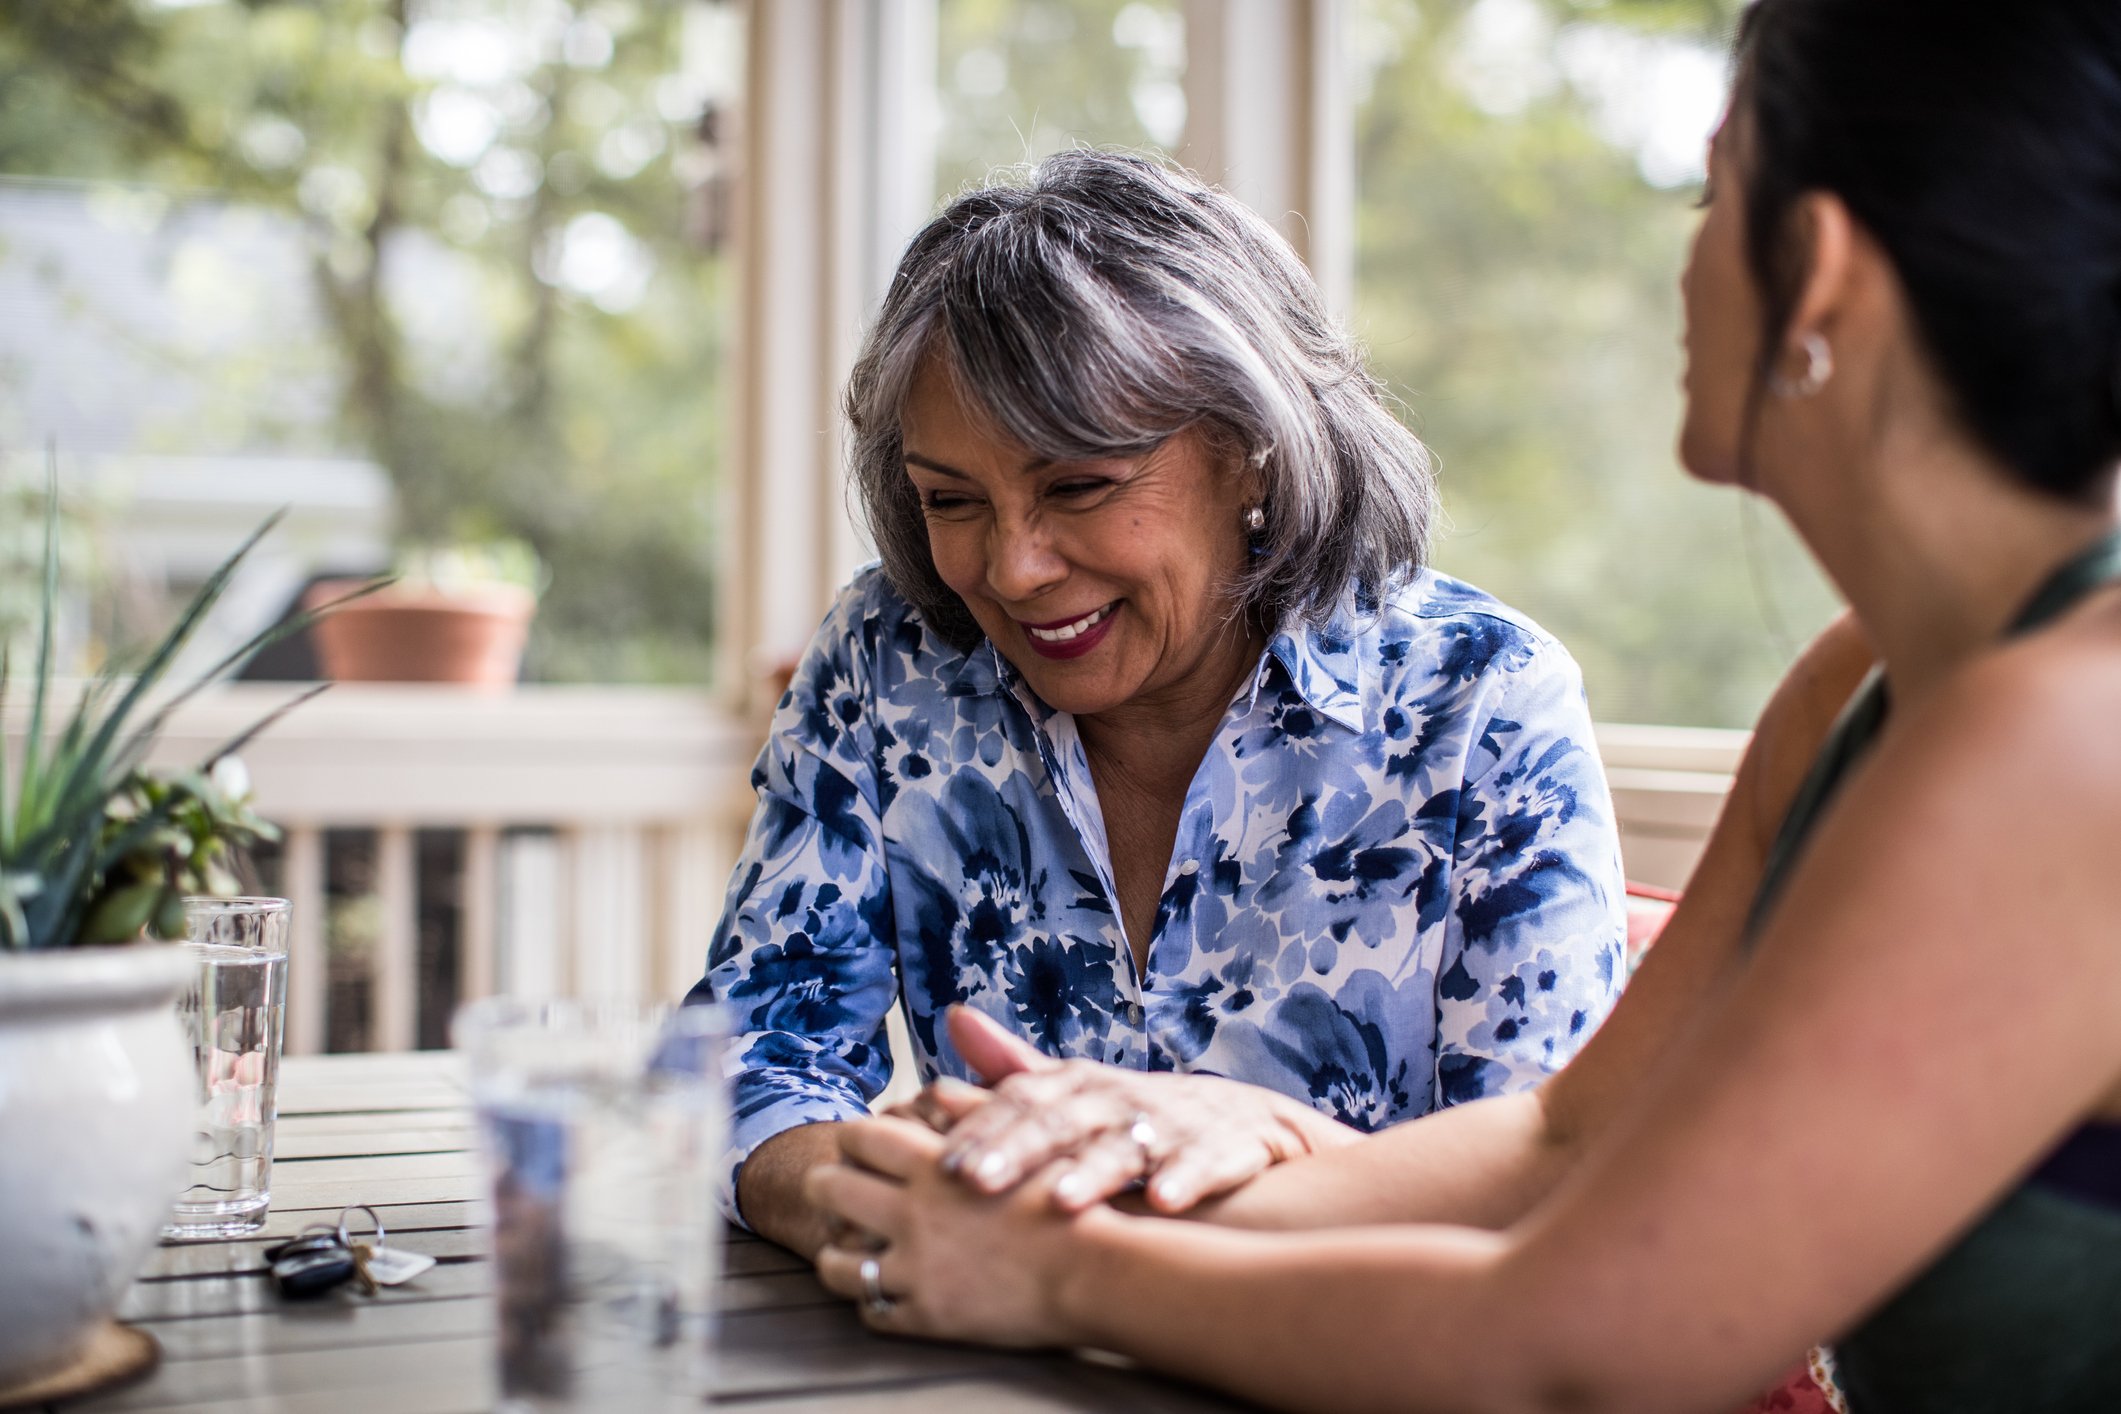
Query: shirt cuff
(764, 1104)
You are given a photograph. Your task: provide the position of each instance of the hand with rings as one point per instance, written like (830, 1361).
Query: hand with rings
(1102, 1130)
(920, 1254)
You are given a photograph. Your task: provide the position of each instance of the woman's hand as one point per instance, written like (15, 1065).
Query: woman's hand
(1186, 1137)
(952, 1264)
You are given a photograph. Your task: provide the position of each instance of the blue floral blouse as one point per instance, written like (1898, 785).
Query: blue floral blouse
(1396, 884)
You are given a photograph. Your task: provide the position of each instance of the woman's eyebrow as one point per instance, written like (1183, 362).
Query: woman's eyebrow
(916, 459)
(1036, 464)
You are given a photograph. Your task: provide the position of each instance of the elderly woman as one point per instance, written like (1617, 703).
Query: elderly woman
(1867, 1088)
(1151, 741)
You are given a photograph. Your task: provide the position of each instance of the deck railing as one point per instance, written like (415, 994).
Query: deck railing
(591, 832)
(1668, 784)
(441, 845)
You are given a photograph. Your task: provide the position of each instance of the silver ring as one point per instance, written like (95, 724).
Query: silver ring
(873, 1298)
(1143, 1133)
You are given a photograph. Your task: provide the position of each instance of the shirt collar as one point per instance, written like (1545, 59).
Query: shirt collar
(978, 671)
(1323, 663)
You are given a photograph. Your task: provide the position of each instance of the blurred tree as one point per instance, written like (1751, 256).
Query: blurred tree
(1018, 80)
(1521, 224)
(514, 210)
(1522, 221)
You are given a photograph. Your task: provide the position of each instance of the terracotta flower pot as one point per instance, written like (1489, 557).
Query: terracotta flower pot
(413, 633)
(97, 1109)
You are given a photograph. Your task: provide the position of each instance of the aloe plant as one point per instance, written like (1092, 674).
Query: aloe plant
(94, 848)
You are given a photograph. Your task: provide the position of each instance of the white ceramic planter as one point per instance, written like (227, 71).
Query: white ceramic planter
(96, 1097)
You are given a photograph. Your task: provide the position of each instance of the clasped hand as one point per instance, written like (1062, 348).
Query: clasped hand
(956, 1224)
(1095, 1131)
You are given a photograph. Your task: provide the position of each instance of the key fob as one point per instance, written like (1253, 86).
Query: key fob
(310, 1267)
(309, 1241)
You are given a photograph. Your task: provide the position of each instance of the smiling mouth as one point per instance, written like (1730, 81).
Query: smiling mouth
(1068, 630)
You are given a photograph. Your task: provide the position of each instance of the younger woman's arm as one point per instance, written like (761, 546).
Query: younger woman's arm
(1486, 1163)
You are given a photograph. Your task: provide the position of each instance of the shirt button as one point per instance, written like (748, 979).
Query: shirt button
(1191, 866)
(1134, 1013)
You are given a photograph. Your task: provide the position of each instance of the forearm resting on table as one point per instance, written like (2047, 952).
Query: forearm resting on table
(1300, 1321)
(769, 1190)
(1482, 1164)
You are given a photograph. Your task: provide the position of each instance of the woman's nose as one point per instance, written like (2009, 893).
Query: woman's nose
(1021, 560)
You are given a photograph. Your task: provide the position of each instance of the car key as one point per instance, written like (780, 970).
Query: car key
(388, 1266)
(376, 1265)
(310, 1264)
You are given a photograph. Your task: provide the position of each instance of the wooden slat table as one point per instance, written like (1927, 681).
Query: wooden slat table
(395, 1131)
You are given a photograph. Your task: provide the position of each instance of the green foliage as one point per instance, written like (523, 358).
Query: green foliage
(1021, 79)
(94, 848)
(1517, 284)
(153, 867)
(587, 429)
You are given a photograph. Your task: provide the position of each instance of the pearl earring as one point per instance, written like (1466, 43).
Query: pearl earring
(1818, 368)
(1255, 520)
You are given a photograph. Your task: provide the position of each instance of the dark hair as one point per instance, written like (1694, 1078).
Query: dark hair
(1979, 142)
(1096, 305)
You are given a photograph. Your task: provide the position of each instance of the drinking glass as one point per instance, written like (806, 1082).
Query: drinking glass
(233, 1011)
(601, 1123)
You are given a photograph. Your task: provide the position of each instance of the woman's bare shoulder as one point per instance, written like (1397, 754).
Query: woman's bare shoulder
(2050, 699)
(1796, 720)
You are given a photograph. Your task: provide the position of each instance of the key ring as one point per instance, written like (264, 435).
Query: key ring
(373, 1216)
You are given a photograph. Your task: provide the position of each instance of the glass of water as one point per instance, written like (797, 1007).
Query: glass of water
(602, 1124)
(233, 1012)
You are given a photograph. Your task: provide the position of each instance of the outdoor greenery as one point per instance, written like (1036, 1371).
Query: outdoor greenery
(546, 175)
(1020, 79)
(513, 214)
(1518, 255)
(1519, 244)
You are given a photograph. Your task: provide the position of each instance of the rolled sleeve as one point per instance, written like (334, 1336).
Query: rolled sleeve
(802, 959)
(1533, 944)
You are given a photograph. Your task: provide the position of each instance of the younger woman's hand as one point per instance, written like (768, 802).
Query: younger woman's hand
(949, 1263)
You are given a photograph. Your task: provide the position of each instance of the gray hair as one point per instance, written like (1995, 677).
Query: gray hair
(1106, 303)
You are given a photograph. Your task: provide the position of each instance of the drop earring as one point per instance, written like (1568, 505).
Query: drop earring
(1818, 368)
(1254, 520)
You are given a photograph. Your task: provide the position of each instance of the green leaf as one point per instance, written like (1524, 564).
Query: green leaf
(169, 921)
(33, 741)
(7, 804)
(122, 913)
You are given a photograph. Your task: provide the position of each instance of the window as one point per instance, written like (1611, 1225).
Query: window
(475, 255)
(1020, 79)
(1525, 170)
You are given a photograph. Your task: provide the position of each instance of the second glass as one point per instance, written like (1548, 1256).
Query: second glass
(603, 1125)
(233, 1013)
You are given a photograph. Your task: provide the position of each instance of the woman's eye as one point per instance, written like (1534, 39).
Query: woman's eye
(942, 501)
(1077, 489)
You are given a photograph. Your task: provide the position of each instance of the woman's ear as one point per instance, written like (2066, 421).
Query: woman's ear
(1821, 226)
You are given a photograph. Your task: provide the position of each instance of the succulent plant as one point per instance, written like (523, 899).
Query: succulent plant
(95, 847)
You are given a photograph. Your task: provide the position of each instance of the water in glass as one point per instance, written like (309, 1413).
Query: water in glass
(233, 1013)
(602, 1125)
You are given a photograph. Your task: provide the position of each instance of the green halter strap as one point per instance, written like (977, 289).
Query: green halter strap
(1859, 722)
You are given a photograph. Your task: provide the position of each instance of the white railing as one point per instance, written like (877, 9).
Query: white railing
(1668, 783)
(598, 825)
(598, 829)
